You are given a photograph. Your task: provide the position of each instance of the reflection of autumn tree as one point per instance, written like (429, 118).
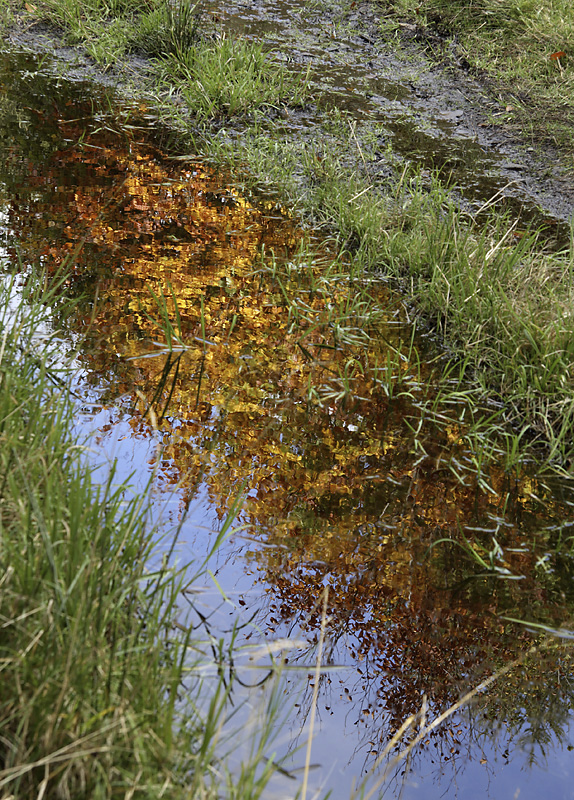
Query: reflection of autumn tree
(419, 621)
(279, 396)
(415, 628)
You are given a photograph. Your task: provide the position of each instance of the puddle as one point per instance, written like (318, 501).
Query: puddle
(356, 474)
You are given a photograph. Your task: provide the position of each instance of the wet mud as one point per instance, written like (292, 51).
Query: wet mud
(435, 114)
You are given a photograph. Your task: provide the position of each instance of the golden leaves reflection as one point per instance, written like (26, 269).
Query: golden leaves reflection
(267, 398)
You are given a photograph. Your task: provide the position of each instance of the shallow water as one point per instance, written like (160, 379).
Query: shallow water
(353, 477)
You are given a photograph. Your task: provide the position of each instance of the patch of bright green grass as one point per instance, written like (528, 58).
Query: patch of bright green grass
(226, 77)
(83, 708)
(167, 28)
(110, 29)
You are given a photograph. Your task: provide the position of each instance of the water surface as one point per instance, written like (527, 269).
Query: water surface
(352, 473)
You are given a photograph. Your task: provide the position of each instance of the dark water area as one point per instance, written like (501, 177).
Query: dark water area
(352, 468)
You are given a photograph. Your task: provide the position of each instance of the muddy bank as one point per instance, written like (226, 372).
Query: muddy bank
(432, 113)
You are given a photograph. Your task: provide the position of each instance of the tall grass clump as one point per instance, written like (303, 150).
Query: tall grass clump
(226, 77)
(6, 15)
(167, 29)
(89, 667)
(500, 297)
(97, 695)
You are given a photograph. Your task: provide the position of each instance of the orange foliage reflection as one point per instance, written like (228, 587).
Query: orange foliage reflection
(347, 480)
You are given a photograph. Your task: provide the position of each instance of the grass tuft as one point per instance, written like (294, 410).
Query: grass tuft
(167, 29)
(94, 649)
(226, 77)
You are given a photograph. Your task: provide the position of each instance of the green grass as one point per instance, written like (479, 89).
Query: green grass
(98, 697)
(6, 15)
(511, 42)
(111, 29)
(227, 77)
(167, 29)
(216, 76)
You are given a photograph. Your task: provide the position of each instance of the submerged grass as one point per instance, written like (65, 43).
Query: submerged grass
(99, 695)
(499, 296)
